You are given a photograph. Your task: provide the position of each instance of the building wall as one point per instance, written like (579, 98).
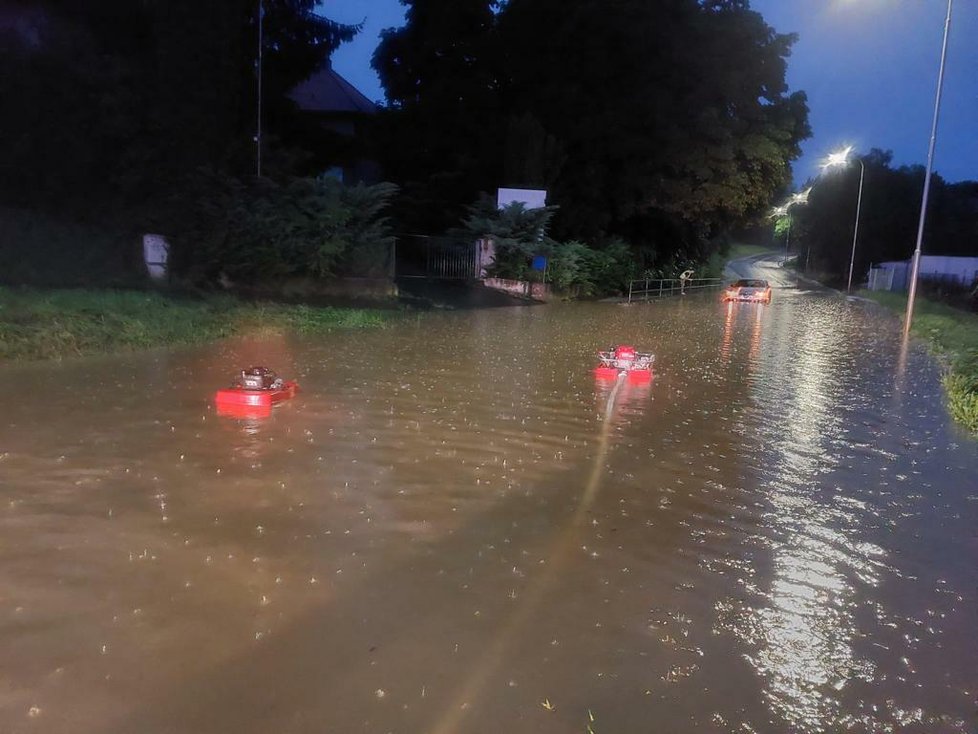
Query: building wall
(961, 270)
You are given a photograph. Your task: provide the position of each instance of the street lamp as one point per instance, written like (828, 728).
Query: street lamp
(840, 159)
(800, 198)
(777, 212)
(930, 163)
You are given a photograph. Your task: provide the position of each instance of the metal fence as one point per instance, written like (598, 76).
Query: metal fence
(649, 288)
(444, 258)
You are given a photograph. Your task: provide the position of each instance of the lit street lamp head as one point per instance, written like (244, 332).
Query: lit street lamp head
(800, 197)
(838, 159)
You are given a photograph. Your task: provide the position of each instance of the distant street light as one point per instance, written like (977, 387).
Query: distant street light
(801, 197)
(841, 159)
(930, 164)
(777, 212)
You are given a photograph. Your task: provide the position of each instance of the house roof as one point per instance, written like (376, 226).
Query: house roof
(327, 91)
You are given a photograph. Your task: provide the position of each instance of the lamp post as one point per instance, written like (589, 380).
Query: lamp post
(930, 163)
(777, 213)
(800, 197)
(258, 65)
(841, 158)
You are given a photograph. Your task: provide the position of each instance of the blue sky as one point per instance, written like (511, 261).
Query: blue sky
(869, 68)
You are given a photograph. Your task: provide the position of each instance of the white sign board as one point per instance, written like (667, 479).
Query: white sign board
(530, 198)
(156, 251)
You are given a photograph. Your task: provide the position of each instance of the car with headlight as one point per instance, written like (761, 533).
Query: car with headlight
(748, 289)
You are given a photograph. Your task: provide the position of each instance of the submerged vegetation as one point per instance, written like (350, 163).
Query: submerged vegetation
(37, 324)
(954, 335)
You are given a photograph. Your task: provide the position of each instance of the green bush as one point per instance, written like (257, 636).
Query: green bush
(573, 267)
(264, 231)
(519, 234)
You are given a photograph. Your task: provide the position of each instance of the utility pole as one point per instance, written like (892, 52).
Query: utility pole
(930, 166)
(261, 21)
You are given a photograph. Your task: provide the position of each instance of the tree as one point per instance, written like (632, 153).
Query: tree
(118, 101)
(663, 123)
(441, 137)
(673, 113)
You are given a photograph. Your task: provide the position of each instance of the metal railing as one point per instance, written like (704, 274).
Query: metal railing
(649, 288)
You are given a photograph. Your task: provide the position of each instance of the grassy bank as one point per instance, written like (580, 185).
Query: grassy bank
(954, 335)
(51, 324)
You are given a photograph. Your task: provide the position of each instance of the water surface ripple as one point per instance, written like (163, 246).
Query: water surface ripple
(453, 527)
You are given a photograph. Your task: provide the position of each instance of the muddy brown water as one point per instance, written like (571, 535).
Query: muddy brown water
(454, 528)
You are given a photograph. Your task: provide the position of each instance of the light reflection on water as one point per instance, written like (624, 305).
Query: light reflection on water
(755, 541)
(803, 623)
(807, 628)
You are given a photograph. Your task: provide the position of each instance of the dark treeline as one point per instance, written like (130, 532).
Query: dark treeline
(656, 127)
(888, 220)
(663, 123)
(111, 102)
(121, 118)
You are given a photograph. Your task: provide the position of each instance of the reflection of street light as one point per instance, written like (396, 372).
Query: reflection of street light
(841, 158)
(930, 163)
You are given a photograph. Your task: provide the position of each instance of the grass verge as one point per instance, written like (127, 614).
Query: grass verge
(51, 324)
(954, 335)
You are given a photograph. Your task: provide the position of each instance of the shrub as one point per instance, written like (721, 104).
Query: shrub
(263, 231)
(519, 234)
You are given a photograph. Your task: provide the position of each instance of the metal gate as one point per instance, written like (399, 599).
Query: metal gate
(418, 256)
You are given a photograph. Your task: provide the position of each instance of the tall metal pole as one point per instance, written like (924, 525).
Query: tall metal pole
(930, 164)
(261, 21)
(787, 239)
(855, 231)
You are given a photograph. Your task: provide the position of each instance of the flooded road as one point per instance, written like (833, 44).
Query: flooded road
(454, 528)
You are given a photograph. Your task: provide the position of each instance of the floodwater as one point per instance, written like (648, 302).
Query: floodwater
(454, 528)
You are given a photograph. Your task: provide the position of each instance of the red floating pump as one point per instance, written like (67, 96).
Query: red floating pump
(624, 360)
(254, 391)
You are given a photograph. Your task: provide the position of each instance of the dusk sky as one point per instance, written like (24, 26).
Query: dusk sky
(869, 68)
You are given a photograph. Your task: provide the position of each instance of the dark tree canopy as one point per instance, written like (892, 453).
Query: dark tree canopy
(441, 56)
(664, 121)
(108, 99)
(441, 136)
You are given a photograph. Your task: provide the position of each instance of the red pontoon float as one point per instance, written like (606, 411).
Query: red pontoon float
(254, 391)
(624, 360)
